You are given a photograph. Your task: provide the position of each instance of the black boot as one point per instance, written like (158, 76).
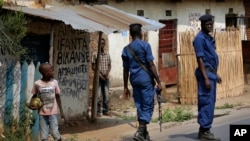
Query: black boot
(146, 135)
(201, 130)
(140, 133)
(206, 135)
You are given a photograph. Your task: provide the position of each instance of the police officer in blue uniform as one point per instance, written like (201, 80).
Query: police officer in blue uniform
(207, 77)
(140, 79)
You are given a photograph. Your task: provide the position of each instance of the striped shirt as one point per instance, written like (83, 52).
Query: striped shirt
(105, 61)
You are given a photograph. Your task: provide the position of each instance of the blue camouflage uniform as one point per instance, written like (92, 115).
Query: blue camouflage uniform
(143, 88)
(204, 46)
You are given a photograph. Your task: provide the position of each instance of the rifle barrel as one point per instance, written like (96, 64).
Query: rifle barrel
(160, 113)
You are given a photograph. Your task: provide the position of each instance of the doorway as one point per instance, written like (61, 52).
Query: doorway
(38, 48)
(167, 52)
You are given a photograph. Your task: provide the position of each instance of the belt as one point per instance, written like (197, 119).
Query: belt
(211, 70)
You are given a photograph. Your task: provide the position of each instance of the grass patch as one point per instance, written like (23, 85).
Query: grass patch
(18, 130)
(73, 138)
(228, 106)
(178, 114)
(128, 117)
(95, 139)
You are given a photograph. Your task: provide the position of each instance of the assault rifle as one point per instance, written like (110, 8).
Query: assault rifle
(159, 106)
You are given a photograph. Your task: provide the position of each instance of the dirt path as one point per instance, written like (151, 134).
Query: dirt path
(116, 129)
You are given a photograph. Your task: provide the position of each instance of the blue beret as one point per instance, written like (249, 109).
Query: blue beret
(135, 25)
(206, 18)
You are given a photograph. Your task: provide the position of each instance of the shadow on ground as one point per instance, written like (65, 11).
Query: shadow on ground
(86, 125)
(191, 137)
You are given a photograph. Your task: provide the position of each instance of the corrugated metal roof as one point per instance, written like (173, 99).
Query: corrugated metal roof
(91, 18)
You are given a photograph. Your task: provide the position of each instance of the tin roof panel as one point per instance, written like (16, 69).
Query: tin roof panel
(91, 18)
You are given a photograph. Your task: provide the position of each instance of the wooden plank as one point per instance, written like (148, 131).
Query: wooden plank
(2, 89)
(9, 93)
(24, 76)
(30, 83)
(35, 127)
(38, 75)
(16, 90)
(30, 80)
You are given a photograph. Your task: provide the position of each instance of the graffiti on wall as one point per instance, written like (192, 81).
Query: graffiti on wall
(193, 19)
(71, 59)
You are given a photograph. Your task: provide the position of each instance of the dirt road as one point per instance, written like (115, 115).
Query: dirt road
(116, 129)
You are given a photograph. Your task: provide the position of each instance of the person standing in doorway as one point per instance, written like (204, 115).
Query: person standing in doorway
(103, 90)
(48, 90)
(142, 79)
(207, 77)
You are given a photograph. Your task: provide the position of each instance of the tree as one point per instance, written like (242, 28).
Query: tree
(13, 27)
(1, 4)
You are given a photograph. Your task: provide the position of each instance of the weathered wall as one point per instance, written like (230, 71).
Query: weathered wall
(187, 12)
(117, 41)
(154, 10)
(190, 11)
(71, 57)
(71, 62)
(39, 27)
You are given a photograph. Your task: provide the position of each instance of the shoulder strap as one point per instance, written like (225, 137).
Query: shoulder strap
(138, 60)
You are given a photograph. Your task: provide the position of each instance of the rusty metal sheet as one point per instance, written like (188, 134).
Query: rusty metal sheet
(90, 18)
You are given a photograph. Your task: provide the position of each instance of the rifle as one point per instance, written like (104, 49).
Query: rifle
(159, 106)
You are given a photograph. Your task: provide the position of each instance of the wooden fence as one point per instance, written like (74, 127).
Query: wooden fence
(229, 49)
(16, 83)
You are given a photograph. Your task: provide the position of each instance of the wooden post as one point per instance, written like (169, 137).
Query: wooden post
(96, 81)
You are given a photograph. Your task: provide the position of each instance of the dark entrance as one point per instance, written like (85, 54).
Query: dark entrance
(38, 48)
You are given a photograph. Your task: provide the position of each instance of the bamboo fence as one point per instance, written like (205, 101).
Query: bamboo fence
(229, 49)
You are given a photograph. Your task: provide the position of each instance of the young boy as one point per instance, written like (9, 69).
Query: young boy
(48, 90)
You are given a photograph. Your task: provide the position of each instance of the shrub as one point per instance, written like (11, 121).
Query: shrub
(19, 130)
(12, 30)
(178, 114)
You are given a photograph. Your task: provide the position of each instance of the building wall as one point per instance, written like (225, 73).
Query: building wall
(71, 64)
(187, 12)
(71, 57)
(117, 41)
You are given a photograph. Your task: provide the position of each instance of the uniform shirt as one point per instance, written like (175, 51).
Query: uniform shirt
(204, 45)
(47, 92)
(143, 51)
(104, 61)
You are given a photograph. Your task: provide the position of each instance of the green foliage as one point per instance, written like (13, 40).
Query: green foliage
(178, 114)
(73, 138)
(167, 115)
(182, 114)
(128, 117)
(1, 3)
(228, 106)
(19, 130)
(13, 27)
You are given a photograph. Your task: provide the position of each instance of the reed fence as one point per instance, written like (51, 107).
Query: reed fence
(229, 49)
